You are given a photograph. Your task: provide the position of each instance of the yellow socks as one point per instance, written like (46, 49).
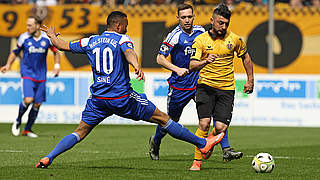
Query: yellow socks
(202, 134)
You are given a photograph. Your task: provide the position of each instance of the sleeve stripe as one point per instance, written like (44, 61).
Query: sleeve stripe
(174, 32)
(80, 43)
(126, 42)
(167, 44)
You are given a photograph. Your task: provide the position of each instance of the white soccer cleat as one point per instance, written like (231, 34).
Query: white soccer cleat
(29, 134)
(15, 129)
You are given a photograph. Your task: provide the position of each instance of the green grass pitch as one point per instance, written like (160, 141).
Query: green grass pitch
(121, 152)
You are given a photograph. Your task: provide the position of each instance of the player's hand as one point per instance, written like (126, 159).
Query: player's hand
(182, 71)
(5, 68)
(211, 58)
(50, 31)
(140, 74)
(56, 72)
(248, 87)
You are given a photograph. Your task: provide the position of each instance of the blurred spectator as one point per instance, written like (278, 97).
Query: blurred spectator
(230, 4)
(315, 3)
(296, 3)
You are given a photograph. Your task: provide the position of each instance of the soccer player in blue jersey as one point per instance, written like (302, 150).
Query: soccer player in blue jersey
(110, 55)
(34, 45)
(182, 82)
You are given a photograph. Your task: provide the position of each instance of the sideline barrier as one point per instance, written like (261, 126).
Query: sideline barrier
(278, 100)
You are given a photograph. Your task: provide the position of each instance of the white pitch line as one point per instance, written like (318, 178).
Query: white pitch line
(10, 151)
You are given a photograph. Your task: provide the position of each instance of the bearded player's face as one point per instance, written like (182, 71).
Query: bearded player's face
(219, 25)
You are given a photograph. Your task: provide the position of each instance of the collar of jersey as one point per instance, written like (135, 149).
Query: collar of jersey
(185, 32)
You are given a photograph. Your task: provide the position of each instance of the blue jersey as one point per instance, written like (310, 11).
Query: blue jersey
(179, 45)
(33, 65)
(109, 65)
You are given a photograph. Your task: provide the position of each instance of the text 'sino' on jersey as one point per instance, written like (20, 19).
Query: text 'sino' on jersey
(109, 65)
(179, 45)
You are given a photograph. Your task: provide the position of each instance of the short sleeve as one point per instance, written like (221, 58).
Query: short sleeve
(170, 41)
(79, 46)
(241, 47)
(20, 42)
(196, 49)
(125, 43)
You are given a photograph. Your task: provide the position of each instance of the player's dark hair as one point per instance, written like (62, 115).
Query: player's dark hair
(223, 11)
(114, 17)
(183, 7)
(37, 19)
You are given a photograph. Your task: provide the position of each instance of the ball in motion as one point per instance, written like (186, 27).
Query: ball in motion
(263, 163)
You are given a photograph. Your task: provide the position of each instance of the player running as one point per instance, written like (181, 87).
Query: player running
(213, 55)
(182, 82)
(110, 55)
(33, 68)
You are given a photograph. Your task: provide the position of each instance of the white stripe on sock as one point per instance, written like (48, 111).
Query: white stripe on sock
(77, 136)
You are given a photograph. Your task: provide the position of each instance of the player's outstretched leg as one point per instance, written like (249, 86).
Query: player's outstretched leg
(65, 144)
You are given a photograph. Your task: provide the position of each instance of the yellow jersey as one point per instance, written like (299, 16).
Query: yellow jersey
(220, 73)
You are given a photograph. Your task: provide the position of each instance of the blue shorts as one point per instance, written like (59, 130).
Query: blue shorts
(177, 100)
(36, 90)
(135, 106)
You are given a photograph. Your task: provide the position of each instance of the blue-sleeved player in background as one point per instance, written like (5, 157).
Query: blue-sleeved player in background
(182, 82)
(34, 45)
(110, 55)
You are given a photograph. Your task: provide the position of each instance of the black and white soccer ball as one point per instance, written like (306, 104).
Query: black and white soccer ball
(263, 163)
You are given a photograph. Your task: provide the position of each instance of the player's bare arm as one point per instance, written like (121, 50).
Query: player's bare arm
(196, 65)
(57, 42)
(132, 58)
(161, 60)
(247, 63)
(57, 59)
(10, 60)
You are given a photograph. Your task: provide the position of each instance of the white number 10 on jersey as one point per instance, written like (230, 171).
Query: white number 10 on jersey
(105, 61)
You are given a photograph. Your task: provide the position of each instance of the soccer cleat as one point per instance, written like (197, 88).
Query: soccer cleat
(196, 165)
(154, 149)
(15, 129)
(208, 154)
(29, 134)
(43, 163)
(211, 142)
(229, 154)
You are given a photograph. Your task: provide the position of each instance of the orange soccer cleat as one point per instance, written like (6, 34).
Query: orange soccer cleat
(211, 142)
(196, 165)
(43, 163)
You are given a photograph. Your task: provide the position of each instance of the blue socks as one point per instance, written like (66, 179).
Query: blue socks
(160, 133)
(65, 144)
(32, 117)
(224, 143)
(177, 131)
(22, 109)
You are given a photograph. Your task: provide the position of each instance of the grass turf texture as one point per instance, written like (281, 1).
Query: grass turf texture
(121, 152)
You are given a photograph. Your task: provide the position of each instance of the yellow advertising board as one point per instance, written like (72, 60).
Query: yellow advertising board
(297, 32)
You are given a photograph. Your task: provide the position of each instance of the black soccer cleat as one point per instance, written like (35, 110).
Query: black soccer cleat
(229, 154)
(154, 149)
(43, 163)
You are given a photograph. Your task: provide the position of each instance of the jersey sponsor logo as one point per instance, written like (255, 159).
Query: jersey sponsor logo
(164, 48)
(43, 43)
(193, 52)
(33, 49)
(281, 88)
(189, 50)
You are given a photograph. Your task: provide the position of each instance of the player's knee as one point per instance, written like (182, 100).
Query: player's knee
(28, 100)
(204, 124)
(37, 105)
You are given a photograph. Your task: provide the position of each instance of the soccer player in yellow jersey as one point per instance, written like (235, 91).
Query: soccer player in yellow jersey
(213, 53)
